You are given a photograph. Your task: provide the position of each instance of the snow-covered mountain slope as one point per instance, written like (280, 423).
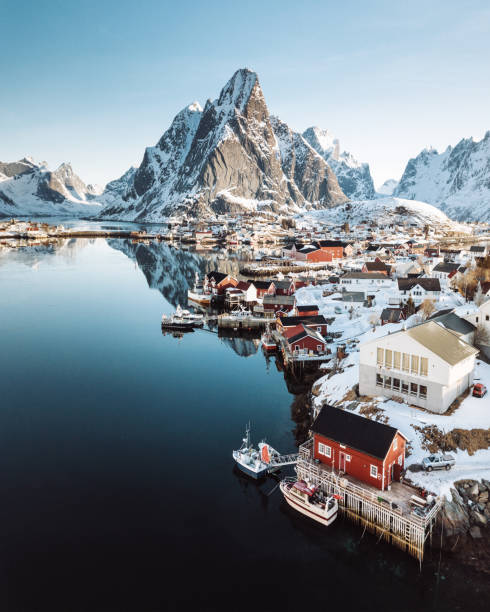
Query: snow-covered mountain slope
(30, 188)
(387, 188)
(387, 211)
(354, 177)
(224, 157)
(305, 170)
(456, 181)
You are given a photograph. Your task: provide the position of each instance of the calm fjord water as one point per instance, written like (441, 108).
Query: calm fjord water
(118, 491)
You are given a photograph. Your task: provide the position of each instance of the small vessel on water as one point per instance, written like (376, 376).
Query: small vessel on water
(182, 320)
(177, 323)
(192, 317)
(197, 294)
(308, 500)
(255, 462)
(268, 343)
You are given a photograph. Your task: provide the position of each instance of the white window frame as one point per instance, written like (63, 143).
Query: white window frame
(395, 443)
(400, 459)
(373, 471)
(325, 450)
(348, 458)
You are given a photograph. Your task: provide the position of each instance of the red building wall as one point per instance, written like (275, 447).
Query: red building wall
(318, 256)
(308, 343)
(336, 252)
(360, 464)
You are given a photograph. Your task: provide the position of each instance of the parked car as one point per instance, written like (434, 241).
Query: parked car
(479, 390)
(439, 461)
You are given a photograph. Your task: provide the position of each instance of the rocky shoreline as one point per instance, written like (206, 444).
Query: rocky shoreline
(462, 526)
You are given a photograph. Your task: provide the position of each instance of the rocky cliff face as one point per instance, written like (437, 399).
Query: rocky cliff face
(354, 177)
(224, 157)
(308, 175)
(456, 181)
(30, 188)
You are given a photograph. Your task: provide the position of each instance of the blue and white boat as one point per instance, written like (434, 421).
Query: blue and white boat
(255, 462)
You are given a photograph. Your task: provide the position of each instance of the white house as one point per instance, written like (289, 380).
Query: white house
(364, 281)
(418, 289)
(426, 365)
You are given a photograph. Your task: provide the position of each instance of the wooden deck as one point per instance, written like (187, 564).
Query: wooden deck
(388, 514)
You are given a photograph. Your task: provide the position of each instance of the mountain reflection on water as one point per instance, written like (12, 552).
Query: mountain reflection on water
(171, 270)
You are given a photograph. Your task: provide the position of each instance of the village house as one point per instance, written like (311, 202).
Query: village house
(217, 282)
(391, 315)
(333, 247)
(365, 281)
(477, 251)
(444, 271)
(419, 289)
(316, 322)
(426, 365)
(308, 310)
(461, 327)
(276, 303)
(365, 449)
(303, 340)
(376, 267)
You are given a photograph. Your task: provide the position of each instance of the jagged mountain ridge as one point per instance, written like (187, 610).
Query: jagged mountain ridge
(353, 177)
(30, 188)
(222, 158)
(457, 181)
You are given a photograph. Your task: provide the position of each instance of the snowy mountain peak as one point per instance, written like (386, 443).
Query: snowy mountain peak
(222, 158)
(236, 93)
(323, 141)
(30, 188)
(457, 181)
(354, 177)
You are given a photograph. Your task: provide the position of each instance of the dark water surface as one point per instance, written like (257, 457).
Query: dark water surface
(118, 491)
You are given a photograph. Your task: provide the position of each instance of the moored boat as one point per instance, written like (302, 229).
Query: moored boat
(308, 500)
(177, 323)
(255, 462)
(268, 343)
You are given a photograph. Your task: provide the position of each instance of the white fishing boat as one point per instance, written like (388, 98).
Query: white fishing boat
(191, 317)
(176, 323)
(196, 294)
(255, 462)
(310, 501)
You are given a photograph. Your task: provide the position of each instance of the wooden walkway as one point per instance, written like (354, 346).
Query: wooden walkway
(388, 514)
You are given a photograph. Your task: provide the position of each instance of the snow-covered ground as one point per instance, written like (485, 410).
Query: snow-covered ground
(473, 413)
(387, 211)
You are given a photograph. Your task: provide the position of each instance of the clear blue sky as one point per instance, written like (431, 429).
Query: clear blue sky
(94, 82)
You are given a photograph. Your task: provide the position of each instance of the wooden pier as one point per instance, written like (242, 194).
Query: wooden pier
(388, 514)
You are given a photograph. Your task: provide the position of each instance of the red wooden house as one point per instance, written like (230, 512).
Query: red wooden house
(303, 339)
(307, 310)
(276, 303)
(334, 247)
(217, 282)
(264, 288)
(368, 450)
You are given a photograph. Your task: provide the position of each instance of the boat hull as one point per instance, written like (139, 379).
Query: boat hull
(199, 298)
(178, 326)
(306, 509)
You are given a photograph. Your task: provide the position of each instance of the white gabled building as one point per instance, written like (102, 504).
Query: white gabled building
(418, 289)
(364, 281)
(426, 365)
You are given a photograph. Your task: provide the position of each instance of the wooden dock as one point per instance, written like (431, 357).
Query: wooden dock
(388, 514)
